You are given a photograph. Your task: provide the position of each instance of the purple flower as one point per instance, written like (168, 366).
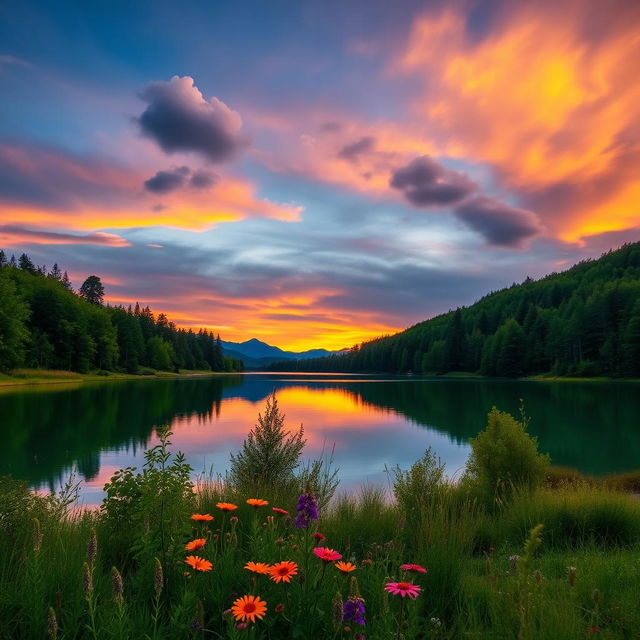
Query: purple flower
(353, 610)
(307, 509)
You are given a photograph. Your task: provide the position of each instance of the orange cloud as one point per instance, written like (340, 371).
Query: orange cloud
(548, 97)
(17, 236)
(295, 322)
(56, 190)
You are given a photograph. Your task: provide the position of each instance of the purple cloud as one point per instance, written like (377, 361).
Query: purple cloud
(178, 118)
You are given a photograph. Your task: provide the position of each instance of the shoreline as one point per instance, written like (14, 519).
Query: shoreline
(51, 377)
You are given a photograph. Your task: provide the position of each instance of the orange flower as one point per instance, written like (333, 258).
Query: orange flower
(282, 571)
(201, 517)
(346, 567)
(258, 567)
(226, 506)
(198, 563)
(248, 608)
(196, 544)
(257, 502)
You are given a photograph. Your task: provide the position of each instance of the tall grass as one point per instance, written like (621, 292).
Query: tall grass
(492, 572)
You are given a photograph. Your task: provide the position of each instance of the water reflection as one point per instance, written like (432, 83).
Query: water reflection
(371, 422)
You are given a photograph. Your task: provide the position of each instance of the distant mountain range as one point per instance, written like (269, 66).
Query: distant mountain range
(257, 354)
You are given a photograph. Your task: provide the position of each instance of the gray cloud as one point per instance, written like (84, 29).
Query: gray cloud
(424, 182)
(179, 178)
(352, 151)
(167, 181)
(178, 119)
(497, 222)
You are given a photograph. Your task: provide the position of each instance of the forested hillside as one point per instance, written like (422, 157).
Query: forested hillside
(45, 324)
(582, 322)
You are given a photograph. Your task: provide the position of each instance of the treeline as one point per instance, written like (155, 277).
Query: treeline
(582, 322)
(45, 324)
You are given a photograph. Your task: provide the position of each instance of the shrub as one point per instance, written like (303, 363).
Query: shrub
(504, 458)
(269, 456)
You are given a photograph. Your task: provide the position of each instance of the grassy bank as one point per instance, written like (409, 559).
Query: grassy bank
(163, 558)
(22, 377)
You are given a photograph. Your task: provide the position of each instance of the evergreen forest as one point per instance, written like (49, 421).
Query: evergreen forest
(582, 322)
(45, 324)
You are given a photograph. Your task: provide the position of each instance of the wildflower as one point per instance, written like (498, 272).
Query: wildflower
(233, 519)
(280, 512)
(593, 629)
(117, 586)
(226, 506)
(571, 574)
(87, 579)
(196, 544)
(319, 536)
(282, 571)
(279, 541)
(353, 610)
(360, 636)
(256, 502)
(279, 608)
(403, 589)
(242, 626)
(248, 608)
(158, 578)
(415, 568)
(52, 623)
(513, 561)
(198, 563)
(435, 623)
(201, 517)
(37, 535)
(346, 567)
(307, 510)
(367, 562)
(195, 625)
(258, 567)
(92, 546)
(326, 554)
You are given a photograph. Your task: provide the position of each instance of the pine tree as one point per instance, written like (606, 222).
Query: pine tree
(3, 259)
(24, 263)
(66, 283)
(55, 273)
(269, 456)
(92, 290)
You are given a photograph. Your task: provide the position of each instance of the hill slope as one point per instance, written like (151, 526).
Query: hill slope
(255, 353)
(584, 321)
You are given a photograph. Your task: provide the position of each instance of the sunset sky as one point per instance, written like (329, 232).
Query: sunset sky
(311, 173)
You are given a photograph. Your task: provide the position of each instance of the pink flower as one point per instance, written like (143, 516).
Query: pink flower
(326, 554)
(403, 589)
(416, 568)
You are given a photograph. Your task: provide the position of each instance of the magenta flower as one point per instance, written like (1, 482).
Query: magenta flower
(326, 554)
(403, 589)
(415, 568)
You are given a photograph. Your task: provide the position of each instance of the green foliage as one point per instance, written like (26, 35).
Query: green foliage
(44, 324)
(13, 315)
(415, 488)
(585, 321)
(154, 503)
(504, 458)
(269, 456)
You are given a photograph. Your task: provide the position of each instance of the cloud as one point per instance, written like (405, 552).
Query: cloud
(167, 181)
(179, 119)
(180, 177)
(48, 187)
(545, 93)
(353, 151)
(498, 223)
(424, 182)
(16, 235)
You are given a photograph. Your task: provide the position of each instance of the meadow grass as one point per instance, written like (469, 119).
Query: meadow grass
(491, 571)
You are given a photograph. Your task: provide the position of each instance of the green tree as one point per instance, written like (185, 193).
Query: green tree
(269, 456)
(504, 458)
(13, 333)
(92, 290)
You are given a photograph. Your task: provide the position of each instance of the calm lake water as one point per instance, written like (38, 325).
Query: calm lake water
(372, 421)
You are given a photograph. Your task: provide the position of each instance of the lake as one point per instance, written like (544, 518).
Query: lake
(369, 421)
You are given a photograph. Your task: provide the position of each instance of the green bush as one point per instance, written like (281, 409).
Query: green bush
(504, 458)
